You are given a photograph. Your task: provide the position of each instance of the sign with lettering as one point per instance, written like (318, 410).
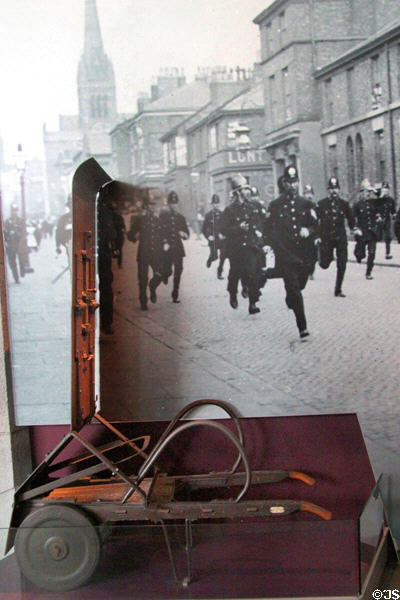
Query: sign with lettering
(236, 157)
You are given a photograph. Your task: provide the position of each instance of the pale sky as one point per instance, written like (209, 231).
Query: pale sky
(41, 42)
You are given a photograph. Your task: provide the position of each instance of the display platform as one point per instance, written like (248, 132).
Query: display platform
(297, 555)
(227, 563)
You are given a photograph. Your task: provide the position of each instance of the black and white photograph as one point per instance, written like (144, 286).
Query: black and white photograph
(240, 161)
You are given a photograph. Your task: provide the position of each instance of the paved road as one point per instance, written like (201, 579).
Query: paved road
(202, 348)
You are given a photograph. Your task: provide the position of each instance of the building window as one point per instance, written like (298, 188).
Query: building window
(279, 167)
(332, 161)
(380, 155)
(282, 27)
(105, 106)
(269, 38)
(376, 89)
(196, 147)
(273, 100)
(329, 102)
(350, 165)
(359, 158)
(375, 74)
(212, 139)
(165, 156)
(181, 151)
(350, 90)
(171, 154)
(287, 100)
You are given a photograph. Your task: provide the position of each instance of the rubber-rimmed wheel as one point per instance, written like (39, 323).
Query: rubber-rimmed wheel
(57, 547)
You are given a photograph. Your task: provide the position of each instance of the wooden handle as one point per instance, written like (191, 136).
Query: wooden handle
(317, 510)
(302, 476)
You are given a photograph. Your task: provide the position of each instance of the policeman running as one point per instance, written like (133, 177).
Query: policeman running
(174, 229)
(290, 230)
(308, 193)
(211, 229)
(146, 228)
(386, 211)
(366, 230)
(333, 212)
(242, 224)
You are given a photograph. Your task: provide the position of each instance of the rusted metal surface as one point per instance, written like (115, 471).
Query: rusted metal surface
(87, 181)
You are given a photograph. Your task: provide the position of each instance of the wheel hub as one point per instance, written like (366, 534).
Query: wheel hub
(56, 548)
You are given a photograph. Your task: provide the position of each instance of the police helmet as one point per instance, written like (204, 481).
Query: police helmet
(238, 182)
(290, 174)
(215, 199)
(254, 192)
(172, 198)
(366, 185)
(333, 183)
(308, 189)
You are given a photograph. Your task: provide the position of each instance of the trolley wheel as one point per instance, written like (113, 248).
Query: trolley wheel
(57, 547)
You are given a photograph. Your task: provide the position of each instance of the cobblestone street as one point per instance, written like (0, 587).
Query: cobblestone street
(200, 348)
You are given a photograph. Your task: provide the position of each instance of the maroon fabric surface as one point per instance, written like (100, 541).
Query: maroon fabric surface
(246, 561)
(295, 555)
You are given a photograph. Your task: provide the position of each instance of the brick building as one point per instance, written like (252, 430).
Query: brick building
(361, 111)
(223, 138)
(297, 37)
(136, 146)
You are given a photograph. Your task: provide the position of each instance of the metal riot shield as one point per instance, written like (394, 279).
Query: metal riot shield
(87, 181)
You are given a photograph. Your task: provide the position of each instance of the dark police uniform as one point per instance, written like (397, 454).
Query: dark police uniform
(119, 225)
(397, 226)
(242, 224)
(365, 219)
(211, 230)
(173, 226)
(385, 209)
(333, 212)
(106, 237)
(286, 216)
(14, 232)
(147, 227)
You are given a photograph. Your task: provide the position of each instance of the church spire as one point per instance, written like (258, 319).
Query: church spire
(93, 39)
(96, 81)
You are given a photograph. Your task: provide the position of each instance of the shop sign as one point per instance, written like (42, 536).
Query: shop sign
(236, 157)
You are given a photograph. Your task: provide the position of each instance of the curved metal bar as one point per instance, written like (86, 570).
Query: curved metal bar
(184, 411)
(151, 460)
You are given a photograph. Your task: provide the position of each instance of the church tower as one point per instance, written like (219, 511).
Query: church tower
(96, 81)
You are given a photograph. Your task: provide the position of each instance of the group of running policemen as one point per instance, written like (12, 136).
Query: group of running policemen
(299, 231)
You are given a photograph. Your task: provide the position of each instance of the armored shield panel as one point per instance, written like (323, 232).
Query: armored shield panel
(100, 208)
(87, 181)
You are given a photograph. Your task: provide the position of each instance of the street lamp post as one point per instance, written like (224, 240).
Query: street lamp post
(20, 162)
